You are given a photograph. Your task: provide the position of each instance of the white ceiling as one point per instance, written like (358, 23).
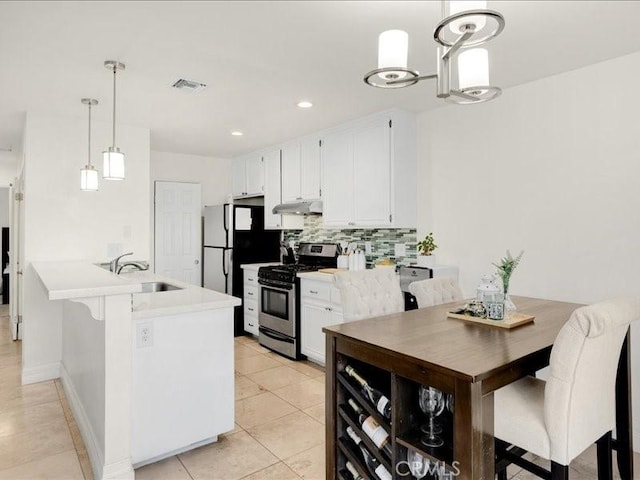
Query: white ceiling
(260, 58)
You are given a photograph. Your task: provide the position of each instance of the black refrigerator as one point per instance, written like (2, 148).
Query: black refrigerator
(234, 235)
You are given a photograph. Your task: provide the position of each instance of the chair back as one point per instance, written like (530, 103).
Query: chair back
(369, 293)
(435, 291)
(579, 397)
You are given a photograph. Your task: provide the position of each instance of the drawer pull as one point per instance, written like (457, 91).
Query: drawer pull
(251, 279)
(315, 292)
(328, 309)
(250, 309)
(250, 294)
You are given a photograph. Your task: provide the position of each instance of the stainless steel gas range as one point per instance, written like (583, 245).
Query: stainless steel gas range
(279, 300)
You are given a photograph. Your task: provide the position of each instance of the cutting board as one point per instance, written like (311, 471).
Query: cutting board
(332, 270)
(512, 320)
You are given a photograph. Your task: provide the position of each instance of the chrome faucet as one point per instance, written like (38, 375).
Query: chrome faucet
(113, 265)
(139, 265)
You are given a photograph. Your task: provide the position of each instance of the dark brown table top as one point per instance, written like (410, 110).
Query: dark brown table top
(456, 347)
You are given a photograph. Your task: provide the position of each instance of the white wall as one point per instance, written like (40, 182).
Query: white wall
(551, 167)
(63, 223)
(214, 174)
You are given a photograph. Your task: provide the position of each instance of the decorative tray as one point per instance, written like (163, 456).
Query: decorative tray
(511, 320)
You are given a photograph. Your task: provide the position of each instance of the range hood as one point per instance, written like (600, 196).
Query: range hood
(299, 208)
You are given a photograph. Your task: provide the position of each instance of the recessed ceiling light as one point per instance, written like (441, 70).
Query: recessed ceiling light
(237, 133)
(305, 104)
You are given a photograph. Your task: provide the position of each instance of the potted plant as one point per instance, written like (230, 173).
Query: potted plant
(505, 268)
(426, 258)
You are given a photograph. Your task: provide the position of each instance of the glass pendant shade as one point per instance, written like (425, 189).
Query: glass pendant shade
(113, 166)
(457, 6)
(393, 50)
(89, 179)
(473, 68)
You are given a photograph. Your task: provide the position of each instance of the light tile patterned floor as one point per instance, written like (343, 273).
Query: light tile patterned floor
(279, 432)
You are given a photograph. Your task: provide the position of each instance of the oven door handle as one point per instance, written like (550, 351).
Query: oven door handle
(274, 335)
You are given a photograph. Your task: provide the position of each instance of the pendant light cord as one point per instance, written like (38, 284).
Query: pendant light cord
(89, 147)
(115, 68)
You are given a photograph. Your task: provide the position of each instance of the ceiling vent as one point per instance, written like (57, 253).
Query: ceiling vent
(189, 85)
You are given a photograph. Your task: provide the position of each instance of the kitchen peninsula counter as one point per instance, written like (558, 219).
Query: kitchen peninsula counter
(117, 346)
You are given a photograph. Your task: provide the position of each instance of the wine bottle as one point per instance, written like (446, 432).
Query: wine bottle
(375, 467)
(352, 470)
(371, 428)
(382, 403)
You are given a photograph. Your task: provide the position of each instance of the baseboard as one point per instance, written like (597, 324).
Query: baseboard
(41, 373)
(120, 470)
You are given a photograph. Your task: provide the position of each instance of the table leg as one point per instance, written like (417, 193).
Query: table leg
(330, 407)
(473, 442)
(624, 428)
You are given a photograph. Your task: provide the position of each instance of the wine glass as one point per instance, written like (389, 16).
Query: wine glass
(427, 428)
(450, 402)
(431, 403)
(418, 465)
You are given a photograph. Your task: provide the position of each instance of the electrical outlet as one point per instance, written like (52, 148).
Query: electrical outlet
(144, 335)
(368, 249)
(400, 250)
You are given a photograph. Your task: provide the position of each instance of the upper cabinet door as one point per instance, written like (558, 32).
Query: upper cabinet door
(372, 173)
(255, 175)
(337, 179)
(271, 189)
(291, 173)
(238, 177)
(310, 169)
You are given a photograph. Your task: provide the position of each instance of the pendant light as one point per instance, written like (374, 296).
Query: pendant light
(465, 24)
(89, 174)
(113, 158)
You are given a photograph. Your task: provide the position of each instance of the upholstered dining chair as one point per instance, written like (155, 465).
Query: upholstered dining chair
(369, 293)
(435, 291)
(558, 419)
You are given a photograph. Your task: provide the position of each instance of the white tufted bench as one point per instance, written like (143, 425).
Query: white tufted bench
(369, 293)
(435, 291)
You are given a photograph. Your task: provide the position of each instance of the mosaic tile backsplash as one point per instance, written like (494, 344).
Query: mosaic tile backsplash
(383, 240)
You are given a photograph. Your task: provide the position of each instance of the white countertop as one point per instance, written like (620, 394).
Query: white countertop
(69, 280)
(190, 299)
(64, 280)
(256, 266)
(321, 276)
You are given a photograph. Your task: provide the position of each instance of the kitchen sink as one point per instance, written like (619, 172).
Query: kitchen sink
(149, 287)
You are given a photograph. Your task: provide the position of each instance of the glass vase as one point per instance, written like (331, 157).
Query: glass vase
(509, 306)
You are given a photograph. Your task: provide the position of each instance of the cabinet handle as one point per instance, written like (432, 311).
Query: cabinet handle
(250, 309)
(250, 294)
(313, 291)
(251, 279)
(328, 309)
(351, 223)
(250, 324)
(298, 198)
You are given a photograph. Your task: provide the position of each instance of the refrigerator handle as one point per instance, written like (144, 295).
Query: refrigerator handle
(225, 219)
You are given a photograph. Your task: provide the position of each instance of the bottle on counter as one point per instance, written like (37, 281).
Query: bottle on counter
(376, 397)
(373, 465)
(352, 470)
(371, 428)
(361, 261)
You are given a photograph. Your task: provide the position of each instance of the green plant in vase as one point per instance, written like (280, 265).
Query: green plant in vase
(505, 268)
(425, 250)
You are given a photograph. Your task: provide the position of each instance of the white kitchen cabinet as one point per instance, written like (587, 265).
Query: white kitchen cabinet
(301, 170)
(247, 176)
(250, 301)
(320, 307)
(272, 189)
(368, 173)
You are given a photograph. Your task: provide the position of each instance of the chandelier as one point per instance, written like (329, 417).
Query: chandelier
(465, 24)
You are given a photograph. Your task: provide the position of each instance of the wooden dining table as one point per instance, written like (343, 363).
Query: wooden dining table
(473, 361)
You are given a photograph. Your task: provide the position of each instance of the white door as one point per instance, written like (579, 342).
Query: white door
(255, 175)
(178, 225)
(16, 201)
(238, 177)
(337, 179)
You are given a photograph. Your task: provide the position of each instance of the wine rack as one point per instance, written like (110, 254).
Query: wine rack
(403, 429)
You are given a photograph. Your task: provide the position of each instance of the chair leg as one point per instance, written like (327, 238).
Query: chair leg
(559, 472)
(605, 462)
